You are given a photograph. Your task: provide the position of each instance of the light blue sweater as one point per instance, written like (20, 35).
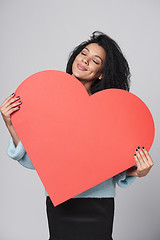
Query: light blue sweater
(105, 189)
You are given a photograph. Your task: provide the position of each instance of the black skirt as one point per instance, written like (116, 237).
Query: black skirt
(81, 219)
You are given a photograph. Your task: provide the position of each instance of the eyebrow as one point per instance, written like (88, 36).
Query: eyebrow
(95, 55)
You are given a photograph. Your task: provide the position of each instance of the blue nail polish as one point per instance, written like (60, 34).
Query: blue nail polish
(17, 97)
(138, 147)
(18, 106)
(134, 154)
(12, 93)
(142, 147)
(19, 102)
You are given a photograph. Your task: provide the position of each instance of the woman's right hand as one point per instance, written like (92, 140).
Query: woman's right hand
(9, 106)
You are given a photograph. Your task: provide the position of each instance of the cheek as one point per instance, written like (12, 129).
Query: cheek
(78, 57)
(75, 62)
(96, 69)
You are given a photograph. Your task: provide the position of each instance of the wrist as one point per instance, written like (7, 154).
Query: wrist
(9, 124)
(132, 171)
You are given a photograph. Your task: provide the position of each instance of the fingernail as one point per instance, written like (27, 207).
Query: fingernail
(18, 106)
(12, 93)
(138, 147)
(19, 101)
(17, 97)
(142, 147)
(134, 154)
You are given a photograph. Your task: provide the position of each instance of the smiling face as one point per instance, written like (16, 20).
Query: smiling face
(88, 64)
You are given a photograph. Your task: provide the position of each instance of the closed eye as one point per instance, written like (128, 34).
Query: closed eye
(95, 62)
(86, 55)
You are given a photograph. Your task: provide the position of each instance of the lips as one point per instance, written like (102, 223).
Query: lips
(80, 67)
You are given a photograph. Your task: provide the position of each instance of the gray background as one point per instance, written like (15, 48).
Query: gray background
(39, 35)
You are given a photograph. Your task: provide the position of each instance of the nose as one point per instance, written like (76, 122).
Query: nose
(85, 60)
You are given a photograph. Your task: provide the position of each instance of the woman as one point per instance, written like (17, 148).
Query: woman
(98, 64)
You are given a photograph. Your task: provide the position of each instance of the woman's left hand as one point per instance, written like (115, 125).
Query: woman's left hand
(144, 163)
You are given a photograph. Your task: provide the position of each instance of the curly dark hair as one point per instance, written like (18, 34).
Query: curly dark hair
(116, 72)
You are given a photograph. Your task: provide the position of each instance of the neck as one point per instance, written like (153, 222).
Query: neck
(86, 84)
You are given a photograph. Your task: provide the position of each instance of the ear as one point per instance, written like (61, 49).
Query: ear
(100, 77)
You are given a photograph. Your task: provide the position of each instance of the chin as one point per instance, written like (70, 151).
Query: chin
(76, 74)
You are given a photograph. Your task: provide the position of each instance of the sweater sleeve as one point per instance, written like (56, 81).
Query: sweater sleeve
(123, 180)
(19, 153)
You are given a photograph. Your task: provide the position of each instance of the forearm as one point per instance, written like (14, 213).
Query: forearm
(19, 153)
(13, 134)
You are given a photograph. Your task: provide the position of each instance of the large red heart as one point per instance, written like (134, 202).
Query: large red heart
(76, 141)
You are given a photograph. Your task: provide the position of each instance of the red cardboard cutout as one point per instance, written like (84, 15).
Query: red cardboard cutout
(76, 141)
